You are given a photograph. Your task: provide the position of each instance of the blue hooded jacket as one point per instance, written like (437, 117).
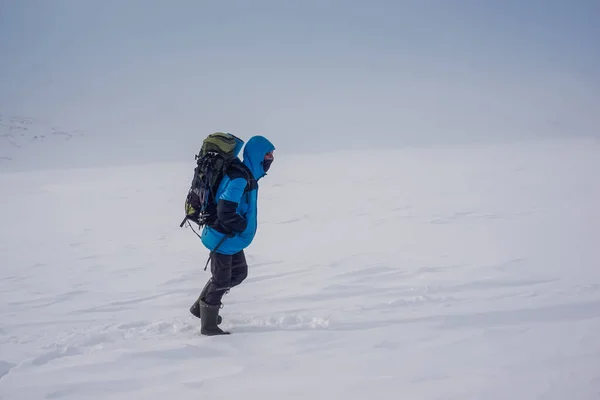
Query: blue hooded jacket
(237, 207)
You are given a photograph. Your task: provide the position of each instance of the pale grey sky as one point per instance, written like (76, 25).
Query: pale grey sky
(310, 75)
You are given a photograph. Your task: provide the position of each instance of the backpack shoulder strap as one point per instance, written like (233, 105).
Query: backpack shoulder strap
(237, 169)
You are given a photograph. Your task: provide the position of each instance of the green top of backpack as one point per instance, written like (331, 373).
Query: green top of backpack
(221, 143)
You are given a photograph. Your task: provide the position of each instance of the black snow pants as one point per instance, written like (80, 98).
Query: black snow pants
(227, 272)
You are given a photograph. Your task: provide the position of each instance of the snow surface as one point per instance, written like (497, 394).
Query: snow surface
(432, 273)
(27, 142)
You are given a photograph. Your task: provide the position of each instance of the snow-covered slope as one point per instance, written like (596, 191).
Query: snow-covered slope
(28, 141)
(448, 273)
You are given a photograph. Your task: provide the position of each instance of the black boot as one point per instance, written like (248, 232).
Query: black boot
(195, 308)
(208, 316)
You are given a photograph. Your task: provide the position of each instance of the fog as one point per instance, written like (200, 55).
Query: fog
(155, 77)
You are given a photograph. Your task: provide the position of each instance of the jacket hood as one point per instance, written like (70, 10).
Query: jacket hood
(254, 154)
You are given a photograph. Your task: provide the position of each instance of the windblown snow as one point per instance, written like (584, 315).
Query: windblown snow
(427, 273)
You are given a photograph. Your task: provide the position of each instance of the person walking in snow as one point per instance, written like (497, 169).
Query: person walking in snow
(232, 232)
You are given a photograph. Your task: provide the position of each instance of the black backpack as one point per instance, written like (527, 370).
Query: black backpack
(212, 163)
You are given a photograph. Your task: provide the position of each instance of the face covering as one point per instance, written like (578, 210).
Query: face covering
(268, 160)
(267, 164)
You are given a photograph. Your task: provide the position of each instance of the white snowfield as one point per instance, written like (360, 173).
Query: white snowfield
(425, 273)
(25, 141)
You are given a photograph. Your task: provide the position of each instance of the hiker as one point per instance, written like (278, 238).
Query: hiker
(232, 231)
